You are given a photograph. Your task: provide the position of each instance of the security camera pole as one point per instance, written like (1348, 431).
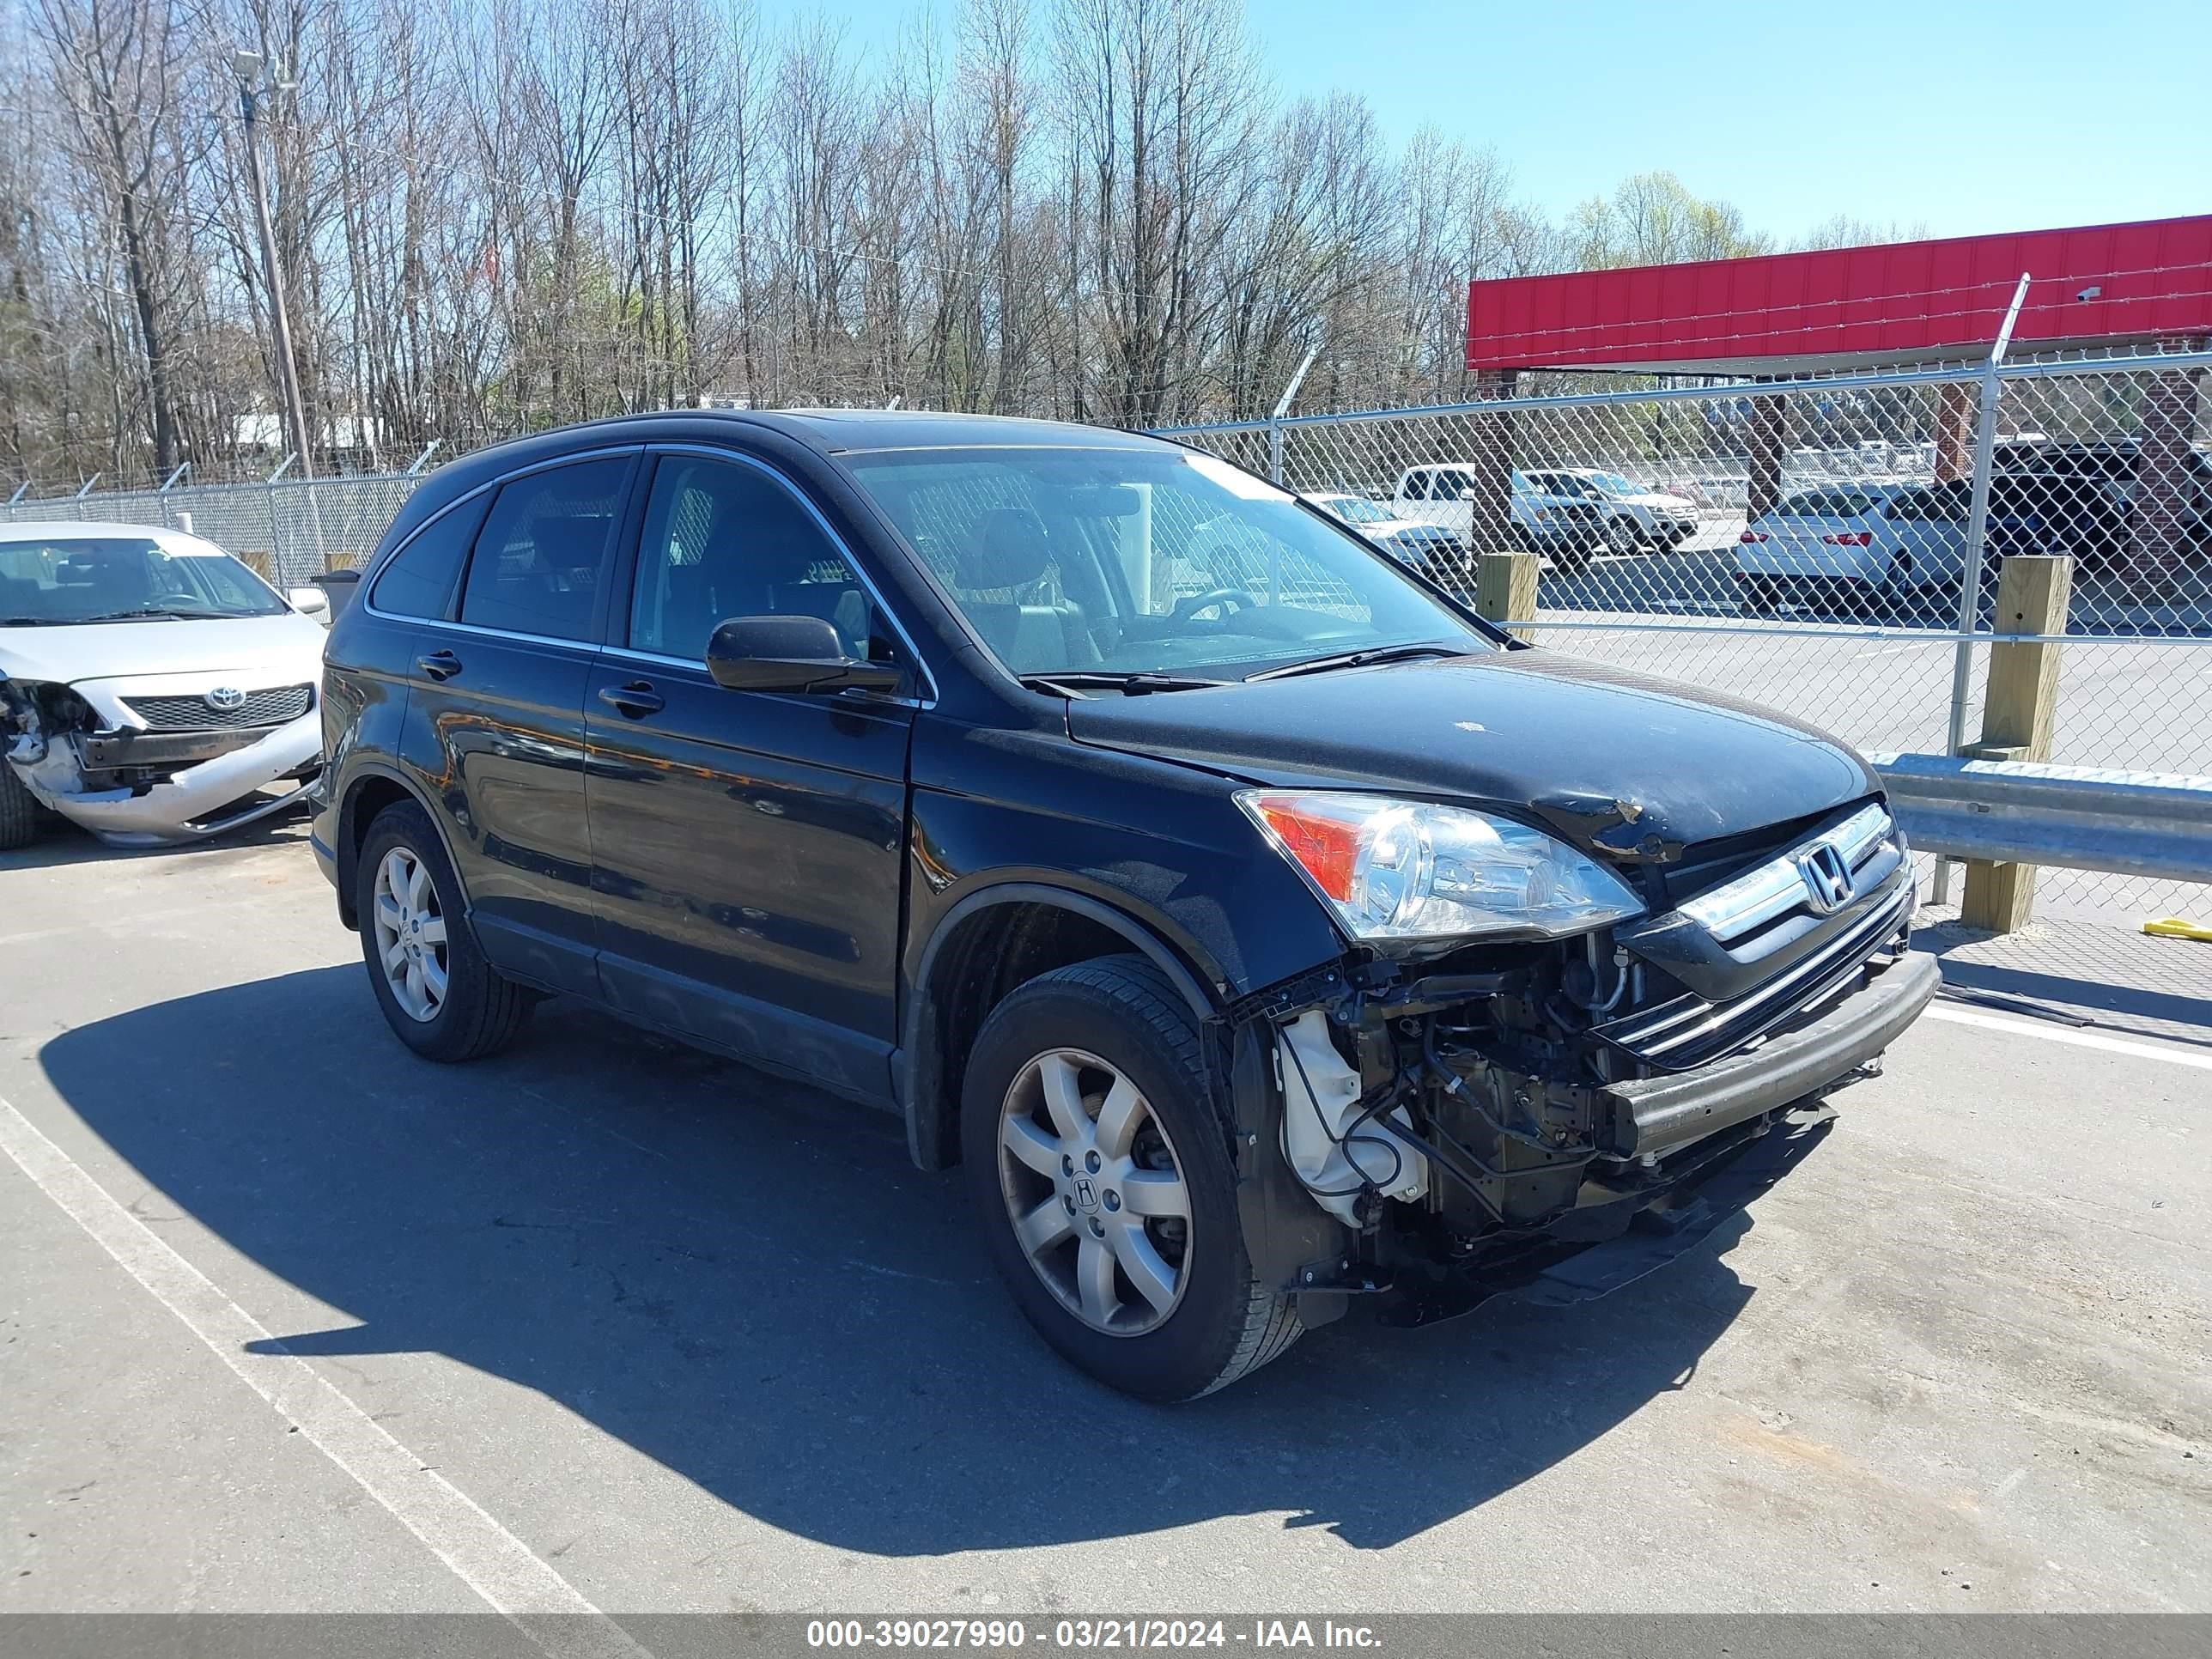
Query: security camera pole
(250, 68)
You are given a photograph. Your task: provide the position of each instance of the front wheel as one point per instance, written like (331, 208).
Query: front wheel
(439, 995)
(20, 811)
(1102, 1175)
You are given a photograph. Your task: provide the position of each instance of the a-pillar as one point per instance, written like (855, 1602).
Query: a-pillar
(1955, 420)
(2159, 544)
(1769, 441)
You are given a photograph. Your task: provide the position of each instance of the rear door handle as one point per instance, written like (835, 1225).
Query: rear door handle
(636, 700)
(440, 665)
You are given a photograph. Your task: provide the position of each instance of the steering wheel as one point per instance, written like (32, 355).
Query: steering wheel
(1184, 609)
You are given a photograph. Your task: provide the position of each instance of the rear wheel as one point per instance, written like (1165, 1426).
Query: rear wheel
(20, 810)
(439, 995)
(1103, 1177)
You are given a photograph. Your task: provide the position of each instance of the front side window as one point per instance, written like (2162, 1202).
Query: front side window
(1417, 486)
(90, 579)
(1145, 560)
(724, 539)
(540, 559)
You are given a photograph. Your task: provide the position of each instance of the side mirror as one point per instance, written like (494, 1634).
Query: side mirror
(1467, 494)
(790, 654)
(310, 602)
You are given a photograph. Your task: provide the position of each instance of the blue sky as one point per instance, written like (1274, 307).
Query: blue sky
(1968, 118)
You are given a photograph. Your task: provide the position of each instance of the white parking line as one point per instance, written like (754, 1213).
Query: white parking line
(486, 1557)
(2071, 1038)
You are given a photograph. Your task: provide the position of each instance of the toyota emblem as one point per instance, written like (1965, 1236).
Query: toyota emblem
(224, 699)
(1827, 879)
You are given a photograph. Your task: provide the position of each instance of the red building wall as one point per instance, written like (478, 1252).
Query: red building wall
(1901, 301)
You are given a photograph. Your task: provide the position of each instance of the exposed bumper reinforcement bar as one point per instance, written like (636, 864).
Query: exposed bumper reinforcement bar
(1653, 1116)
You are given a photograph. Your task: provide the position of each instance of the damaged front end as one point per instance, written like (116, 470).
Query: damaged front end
(179, 773)
(1454, 1123)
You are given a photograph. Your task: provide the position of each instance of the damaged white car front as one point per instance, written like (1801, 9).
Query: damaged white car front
(152, 688)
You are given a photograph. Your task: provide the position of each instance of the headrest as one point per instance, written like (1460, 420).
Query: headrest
(1009, 549)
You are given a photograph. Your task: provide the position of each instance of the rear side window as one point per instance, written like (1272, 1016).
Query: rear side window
(419, 580)
(1417, 487)
(542, 552)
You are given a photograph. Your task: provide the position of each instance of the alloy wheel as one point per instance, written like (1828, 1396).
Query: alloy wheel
(1094, 1192)
(411, 934)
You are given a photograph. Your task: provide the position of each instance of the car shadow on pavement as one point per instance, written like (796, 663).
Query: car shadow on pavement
(59, 843)
(748, 1282)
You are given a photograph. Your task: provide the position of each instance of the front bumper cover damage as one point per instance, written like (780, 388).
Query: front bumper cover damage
(134, 789)
(1481, 1125)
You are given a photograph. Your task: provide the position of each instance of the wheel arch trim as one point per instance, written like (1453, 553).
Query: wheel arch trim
(917, 1068)
(347, 831)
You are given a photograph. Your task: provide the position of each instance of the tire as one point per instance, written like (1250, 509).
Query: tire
(479, 1010)
(1622, 537)
(1222, 1322)
(20, 811)
(1754, 596)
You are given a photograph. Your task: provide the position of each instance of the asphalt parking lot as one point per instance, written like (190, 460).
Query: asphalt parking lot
(290, 1321)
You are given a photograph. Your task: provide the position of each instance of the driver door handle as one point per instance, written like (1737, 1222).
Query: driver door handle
(636, 700)
(439, 664)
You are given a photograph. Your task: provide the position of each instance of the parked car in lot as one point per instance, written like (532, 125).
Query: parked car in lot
(1565, 511)
(152, 688)
(1896, 550)
(1428, 548)
(1255, 927)
(2048, 496)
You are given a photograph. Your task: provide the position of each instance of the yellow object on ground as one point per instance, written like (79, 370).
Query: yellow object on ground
(2175, 928)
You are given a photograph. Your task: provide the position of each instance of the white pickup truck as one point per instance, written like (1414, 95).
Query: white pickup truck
(1565, 511)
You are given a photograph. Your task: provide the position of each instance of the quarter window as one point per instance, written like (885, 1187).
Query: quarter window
(418, 581)
(724, 539)
(539, 560)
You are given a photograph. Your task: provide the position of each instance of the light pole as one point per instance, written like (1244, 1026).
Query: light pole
(250, 69)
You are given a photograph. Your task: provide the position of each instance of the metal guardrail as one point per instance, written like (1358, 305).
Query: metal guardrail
(2081, 818)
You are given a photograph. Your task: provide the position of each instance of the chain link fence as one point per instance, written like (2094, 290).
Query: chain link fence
(1830, 548)
(286, 529)
(1833, 548)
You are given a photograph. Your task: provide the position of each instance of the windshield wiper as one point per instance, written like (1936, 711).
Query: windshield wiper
(1129, 684)
(153, 613)
(1356, 659)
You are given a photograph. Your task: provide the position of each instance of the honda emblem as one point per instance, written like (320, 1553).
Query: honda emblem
(1827, 879)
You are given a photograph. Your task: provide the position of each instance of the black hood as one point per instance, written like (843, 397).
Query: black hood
(1636, 766)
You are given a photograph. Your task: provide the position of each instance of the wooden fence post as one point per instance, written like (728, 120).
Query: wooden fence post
(2019, 711)
(1505, 591)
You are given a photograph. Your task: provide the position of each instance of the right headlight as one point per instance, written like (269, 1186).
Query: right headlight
(1412, 870)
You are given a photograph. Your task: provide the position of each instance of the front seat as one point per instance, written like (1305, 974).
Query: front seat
(1009, 550)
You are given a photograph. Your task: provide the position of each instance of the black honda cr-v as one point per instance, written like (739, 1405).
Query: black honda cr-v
(1258, 929)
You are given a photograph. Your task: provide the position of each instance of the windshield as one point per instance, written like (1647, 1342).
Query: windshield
(1118, 562)
(114, 579)
(1827, 504)
(1352, 510)
(1613, 484)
